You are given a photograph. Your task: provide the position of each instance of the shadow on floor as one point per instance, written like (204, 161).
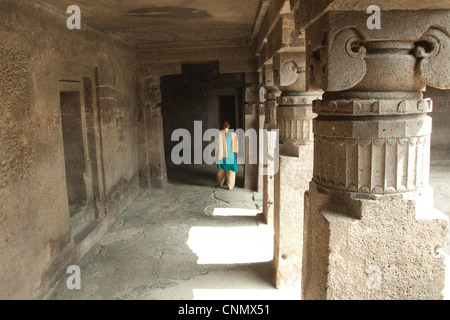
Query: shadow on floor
(200, 175)
(189, 240)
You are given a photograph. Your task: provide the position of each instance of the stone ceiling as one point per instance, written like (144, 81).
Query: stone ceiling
(170, 23)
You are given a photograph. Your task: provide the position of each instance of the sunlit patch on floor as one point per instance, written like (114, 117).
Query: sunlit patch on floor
(230, 212)
(231, 245)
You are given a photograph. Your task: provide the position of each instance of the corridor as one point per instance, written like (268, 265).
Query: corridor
(339, 106)
(191, 240)
(195, 241)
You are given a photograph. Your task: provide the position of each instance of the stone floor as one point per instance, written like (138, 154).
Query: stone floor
(194, 240)
(191, 240)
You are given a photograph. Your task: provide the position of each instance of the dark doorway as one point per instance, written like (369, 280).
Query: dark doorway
(74, 155)
(200, 94)
(227, 111)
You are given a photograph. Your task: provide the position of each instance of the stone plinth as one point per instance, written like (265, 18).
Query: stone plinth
(270, 168)
(372, 247)
(288, 219)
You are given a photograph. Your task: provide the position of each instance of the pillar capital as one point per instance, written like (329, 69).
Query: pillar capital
(373, 133)
(271, 94)
(152, 91)
(269, 78)
(294, 112)
(344, 54)
(290, 70)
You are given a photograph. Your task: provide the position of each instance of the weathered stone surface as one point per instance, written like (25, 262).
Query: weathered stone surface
(291, 181)
(37, 53)
(81, 132)
(343, 51)
(294, 112)
(372, 139)
(270, 168)
(308, 11)
(251, 179)
(383, 248)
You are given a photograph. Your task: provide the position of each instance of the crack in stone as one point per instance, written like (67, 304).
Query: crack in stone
(219, 199)
(161, 254)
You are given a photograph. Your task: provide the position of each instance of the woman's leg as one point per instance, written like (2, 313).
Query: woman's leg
(220, 177)
(231, 179)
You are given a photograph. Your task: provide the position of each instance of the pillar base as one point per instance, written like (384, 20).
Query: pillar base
(372, 246)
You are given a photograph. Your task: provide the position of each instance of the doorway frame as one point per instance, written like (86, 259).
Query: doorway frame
(77, 77)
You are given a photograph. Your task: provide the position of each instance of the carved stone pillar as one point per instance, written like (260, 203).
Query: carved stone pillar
(154, 139)
(294, 122)
(294, 112)
(371, 231)
(251, 123)
(261, 125)
(271, 95)
(271, 138)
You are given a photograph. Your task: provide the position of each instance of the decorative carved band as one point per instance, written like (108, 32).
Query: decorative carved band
(288, 100)
(272, 95)
(299, 130)
(295, 123)
(372, 165)
(271, 112)
(271, 109)
(250, 109)
(262, 109)
(372, 107)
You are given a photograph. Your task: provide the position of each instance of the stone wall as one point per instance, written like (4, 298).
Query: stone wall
(38, 54)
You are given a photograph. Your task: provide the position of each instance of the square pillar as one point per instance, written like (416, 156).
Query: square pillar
(251, 173)
(154, 171)
(270, 104)
(294, 122)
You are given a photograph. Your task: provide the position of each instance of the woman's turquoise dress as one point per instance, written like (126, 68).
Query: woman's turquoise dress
(230, 162)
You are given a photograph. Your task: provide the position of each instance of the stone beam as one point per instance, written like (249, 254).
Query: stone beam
(277, 34)
(237, 66)
(150, 68)
(306, 12)
(231, 59)
(272, 15)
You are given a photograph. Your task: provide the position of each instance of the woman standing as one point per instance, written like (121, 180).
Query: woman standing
(227, 149)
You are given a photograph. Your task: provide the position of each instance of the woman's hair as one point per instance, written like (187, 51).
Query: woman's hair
(226, 124)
